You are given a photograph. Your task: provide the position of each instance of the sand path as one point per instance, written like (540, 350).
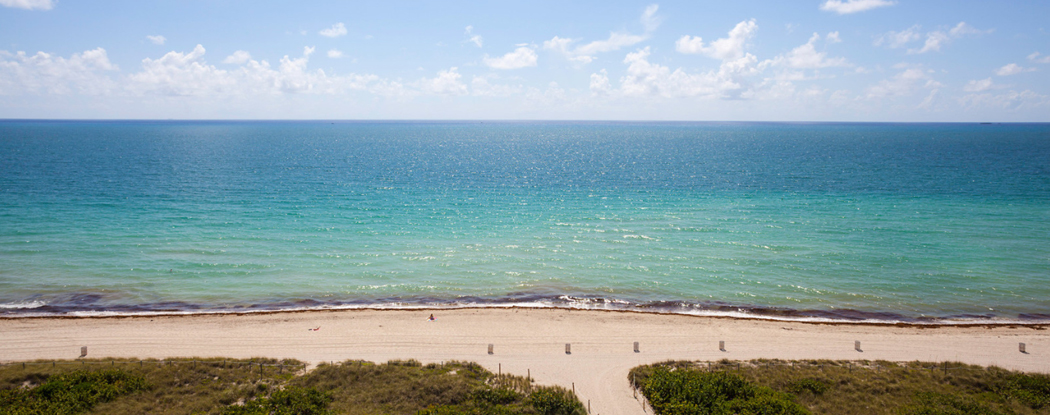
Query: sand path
(525, 341)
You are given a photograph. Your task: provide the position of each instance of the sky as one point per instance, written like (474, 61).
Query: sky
(744, 60)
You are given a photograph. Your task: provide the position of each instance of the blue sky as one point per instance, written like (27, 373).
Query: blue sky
(815, 60)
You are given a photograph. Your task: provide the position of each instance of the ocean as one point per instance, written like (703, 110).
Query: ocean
(940, 223)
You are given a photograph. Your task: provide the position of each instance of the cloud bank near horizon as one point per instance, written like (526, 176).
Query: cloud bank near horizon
(704, 73)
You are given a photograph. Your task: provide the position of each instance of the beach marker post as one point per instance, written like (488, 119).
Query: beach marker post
(636, 347)
(722, 345)
(856, 345)
(83, 351)
(490, 348)
(568, 348)
(1021, 348)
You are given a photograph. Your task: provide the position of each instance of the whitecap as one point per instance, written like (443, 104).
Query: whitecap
(23, 305)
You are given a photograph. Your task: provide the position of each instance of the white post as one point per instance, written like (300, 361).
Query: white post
(1020, 346)
(83, 351)
(490, 348)
(568, 348)
(636, 347)
(856, 345)
(722, 345)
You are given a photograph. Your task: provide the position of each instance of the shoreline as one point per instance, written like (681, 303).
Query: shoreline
(525, 340)
(738, 315)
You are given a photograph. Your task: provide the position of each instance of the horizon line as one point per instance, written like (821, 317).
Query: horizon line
(467, 120)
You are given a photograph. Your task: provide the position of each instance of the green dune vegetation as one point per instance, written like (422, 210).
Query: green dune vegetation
(266, 386)
(773, 387)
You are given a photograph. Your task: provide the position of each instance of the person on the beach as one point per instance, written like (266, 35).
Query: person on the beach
(431, 318)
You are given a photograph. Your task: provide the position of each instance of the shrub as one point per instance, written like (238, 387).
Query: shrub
(685, 391)
(930, 403)
(71, 393)
(1031, 390)
(495, 396)
(813, 386)
(441, 410)
(290, 401)
(555, 401)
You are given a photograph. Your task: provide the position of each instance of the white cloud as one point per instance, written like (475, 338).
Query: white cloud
(934, 40)
(600, 83)
(895, 40)
(731, 47)
(336, 30)
(1011, 100)
(83, 72)
(807, 57)
(335, 53)
(28, 4)
(521, 57)
(1034, 57)
(963, 29)
(650, 21)
(614, 42)
(187, 74)
(480, 86)
(645, 78)
(178, 73)
(475, 39)
(833, 37)
(553, 96)
(586, 53)
(445, 83)
(561, 45)
(853, 6)
(813, 92)
(927, 102)
(979, 85)
(1012, 69)
(157, 40)
(902, 84)
(237, 58)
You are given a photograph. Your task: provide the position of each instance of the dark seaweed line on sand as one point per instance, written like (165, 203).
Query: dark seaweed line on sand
(87, 305)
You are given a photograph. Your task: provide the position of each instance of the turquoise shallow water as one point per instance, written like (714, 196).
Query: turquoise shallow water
(908, 222)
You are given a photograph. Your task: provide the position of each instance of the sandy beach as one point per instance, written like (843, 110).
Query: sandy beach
(524, 341)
